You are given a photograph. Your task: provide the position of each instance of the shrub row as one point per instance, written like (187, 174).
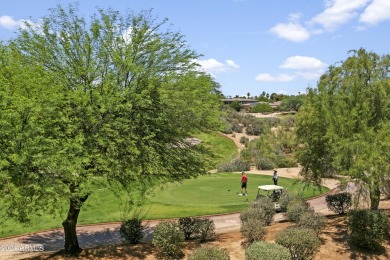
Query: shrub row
(169, 236)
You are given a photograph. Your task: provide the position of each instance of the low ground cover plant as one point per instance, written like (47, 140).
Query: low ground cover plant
(210, 253)
(267, 251)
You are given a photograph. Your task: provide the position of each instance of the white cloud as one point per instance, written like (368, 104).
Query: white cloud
(308, 68)
(9, 23)
(265, 77)
(338, 12)
(214, 66)
(376, 12)
(302, 62)
(291, 31)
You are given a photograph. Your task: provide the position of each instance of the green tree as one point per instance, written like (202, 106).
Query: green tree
(109, 100)
(291, 103)
(343, 123)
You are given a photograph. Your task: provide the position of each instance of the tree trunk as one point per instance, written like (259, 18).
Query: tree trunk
(375, 194)
(71, 242)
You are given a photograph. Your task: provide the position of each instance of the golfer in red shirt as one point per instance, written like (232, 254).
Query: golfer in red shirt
(244, 181)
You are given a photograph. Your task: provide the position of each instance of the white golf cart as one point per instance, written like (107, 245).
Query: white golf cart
(272, 191)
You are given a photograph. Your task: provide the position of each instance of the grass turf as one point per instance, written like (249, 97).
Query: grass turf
(205, 195)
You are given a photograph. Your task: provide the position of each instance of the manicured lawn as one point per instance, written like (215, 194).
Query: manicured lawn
(212, 194)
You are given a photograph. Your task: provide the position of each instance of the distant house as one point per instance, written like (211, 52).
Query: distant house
(246, 103)
(275, 105)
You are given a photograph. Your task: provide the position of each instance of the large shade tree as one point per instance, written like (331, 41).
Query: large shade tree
(344, 123)
(108, 100)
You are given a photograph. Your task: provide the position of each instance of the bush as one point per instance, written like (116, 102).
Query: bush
(264, 163)
(266, 251)
(205, 229)
(265, 209)
(188, 226)
(169, 239)
(132, 230)
(288, 197)
(209, 253)
(257, 127)
(296, 209)
(244, 140)
(236, 127)
(311, 220)
(253, 229)
(367, 228)
(235, 165)
(301, 242)
(339, 203)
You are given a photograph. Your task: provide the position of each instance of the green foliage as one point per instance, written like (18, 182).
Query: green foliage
(339, 203)
(264, 163)
(257, 127)
(253, 229)
(312, 220)
(236, 106)
(244, 140)
(132, 230)
(342, 124)
(291, 103)
(205, 229)
(168, 239)
(88, 100)
(188, 226)
(296, 208)
(234, 165)
(302, 243)
(368, 228)
(265, 208)
(288, 197)
(209, 252)
(261, 108)
(266, 251)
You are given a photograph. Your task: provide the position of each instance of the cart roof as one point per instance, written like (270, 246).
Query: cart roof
(270, 187)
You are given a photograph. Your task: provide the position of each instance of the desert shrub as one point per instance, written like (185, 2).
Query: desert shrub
(339, 203)
(261, 108)
(210, 253)
(312, 220)
(287, 122)
(265, 209)
(264, 163)
(257, 127)
(301, 242)
(168, 239)
(253, 229)
(266, 251)
(235, 165)
(132, 230)
(295, 209)
(288, 197)
(285, 162)
(236, 127)
(188, 226)
(205, 229)
(272, 121)
(227, 130)
(244, 140)
(367, 228)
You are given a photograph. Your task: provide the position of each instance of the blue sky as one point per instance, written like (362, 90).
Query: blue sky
(250, 46)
